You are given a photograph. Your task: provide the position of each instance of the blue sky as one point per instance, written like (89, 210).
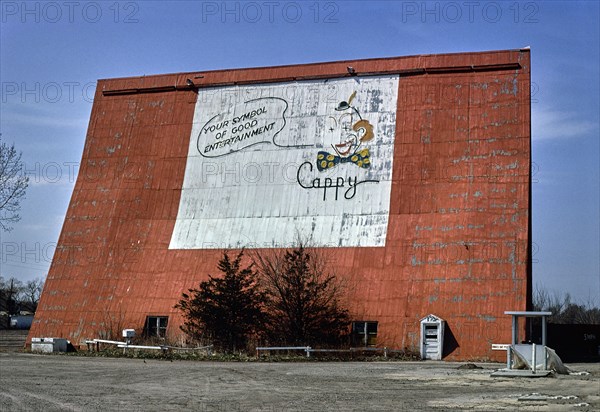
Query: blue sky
(52, 53)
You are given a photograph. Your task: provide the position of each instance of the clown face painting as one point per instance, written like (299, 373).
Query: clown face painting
(352, 131)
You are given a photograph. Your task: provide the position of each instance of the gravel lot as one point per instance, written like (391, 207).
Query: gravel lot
(67, 383)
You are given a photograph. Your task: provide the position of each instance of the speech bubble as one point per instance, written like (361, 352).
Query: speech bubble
(254, 122)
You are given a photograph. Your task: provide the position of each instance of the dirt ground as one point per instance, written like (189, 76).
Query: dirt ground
(66, 383)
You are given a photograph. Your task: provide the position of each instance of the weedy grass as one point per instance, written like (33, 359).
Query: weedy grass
(203, 355)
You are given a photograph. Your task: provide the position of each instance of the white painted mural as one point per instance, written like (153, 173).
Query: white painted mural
(270, 163)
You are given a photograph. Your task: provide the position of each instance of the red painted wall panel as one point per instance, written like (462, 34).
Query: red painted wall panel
(458, 234)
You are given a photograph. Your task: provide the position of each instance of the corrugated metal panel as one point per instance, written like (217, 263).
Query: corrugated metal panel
(458, 229)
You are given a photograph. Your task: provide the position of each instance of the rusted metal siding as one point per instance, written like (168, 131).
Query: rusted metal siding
(457, 242)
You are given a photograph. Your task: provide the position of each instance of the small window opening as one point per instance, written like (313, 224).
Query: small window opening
(364, 333)
(156, 326)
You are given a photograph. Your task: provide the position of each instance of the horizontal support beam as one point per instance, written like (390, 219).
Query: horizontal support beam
(401, 73)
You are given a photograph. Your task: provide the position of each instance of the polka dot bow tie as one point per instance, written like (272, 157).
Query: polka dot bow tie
(327, 160)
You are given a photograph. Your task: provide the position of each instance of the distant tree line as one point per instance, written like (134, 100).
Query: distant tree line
(564, 310)
(280, 298)
(17, 296)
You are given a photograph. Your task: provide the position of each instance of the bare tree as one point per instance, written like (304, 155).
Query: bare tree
(32, 290)
(13, 184)
(304, 298)
(551, 302)
(111, 325)
(10, 294)
(563, 309)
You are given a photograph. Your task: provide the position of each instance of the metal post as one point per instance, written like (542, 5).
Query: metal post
(533, 361)
(515, 329)
(544, 342)
(508, 357)
(544, 330)
(545, 358)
